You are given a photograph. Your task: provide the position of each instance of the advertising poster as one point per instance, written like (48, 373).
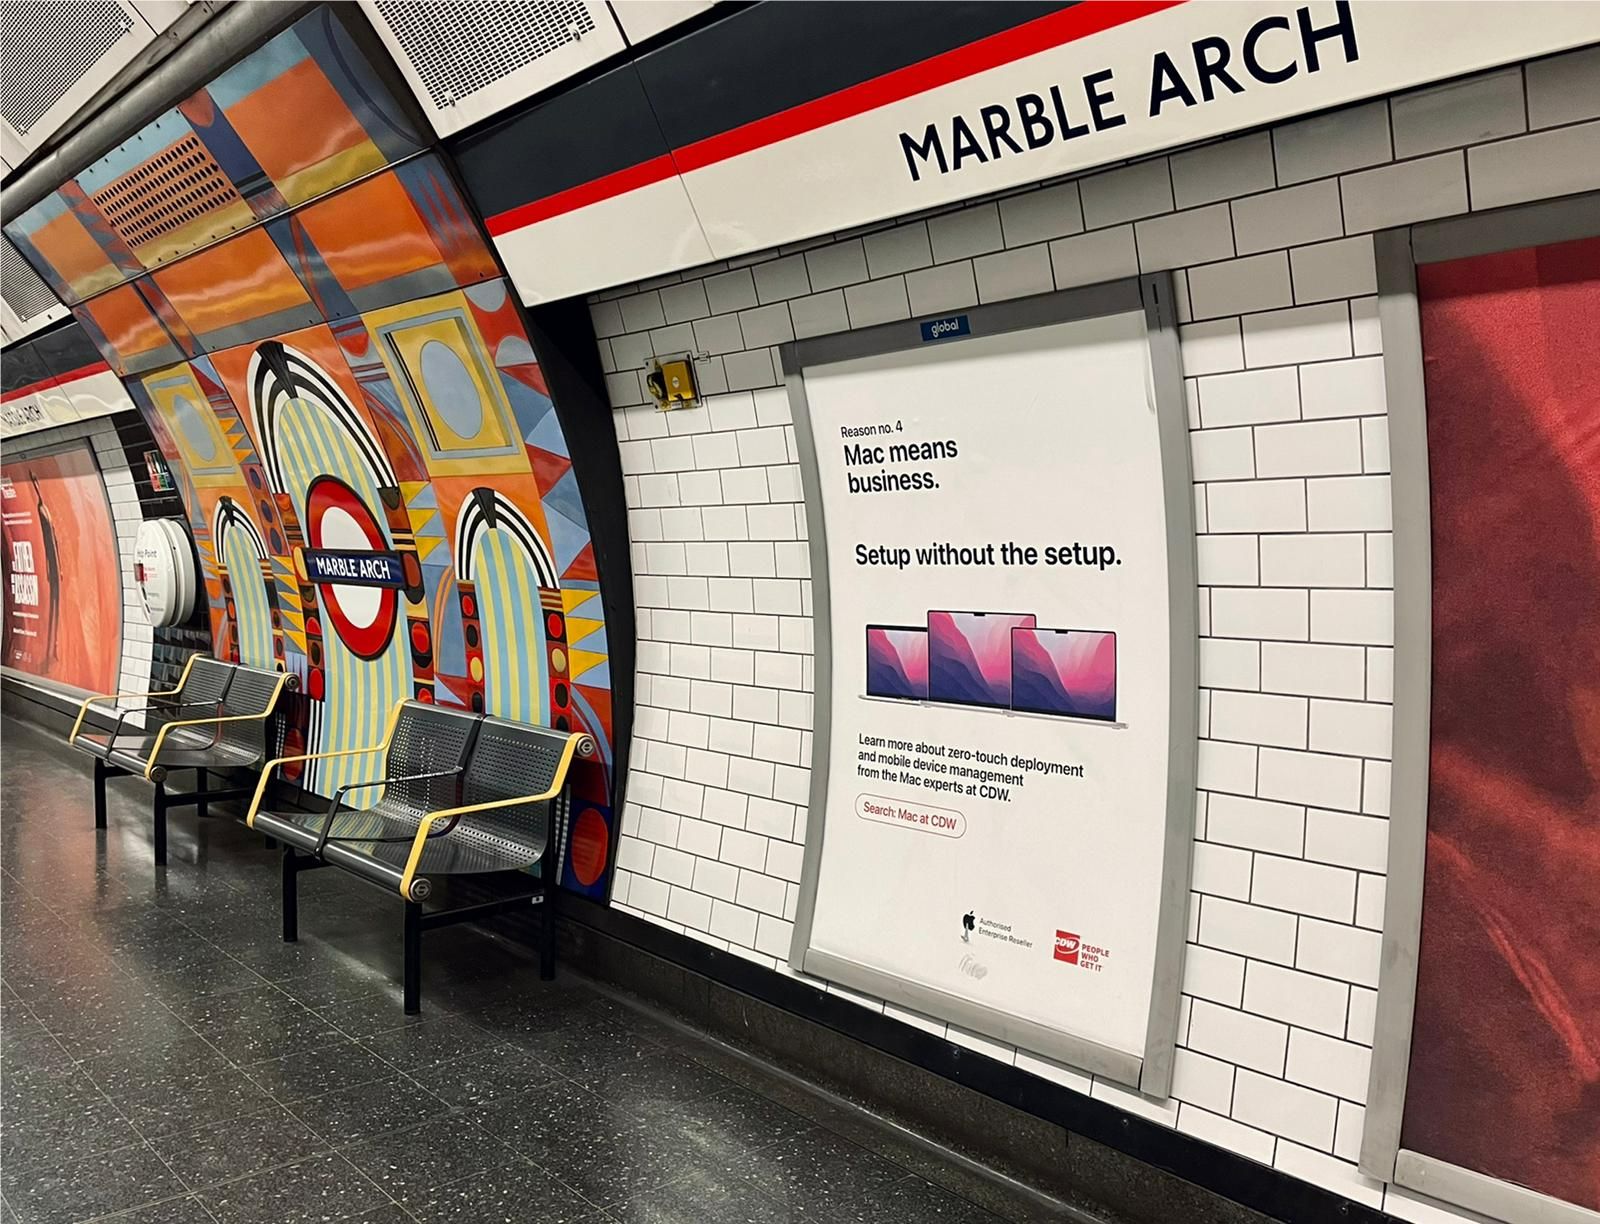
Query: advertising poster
(1505, 1054)
(994, 831)
(63, 585)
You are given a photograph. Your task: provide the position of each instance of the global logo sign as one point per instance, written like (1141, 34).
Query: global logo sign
(1067, 945)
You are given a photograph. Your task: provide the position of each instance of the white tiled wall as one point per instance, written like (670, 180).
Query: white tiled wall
(125, 516)
(1269, 238)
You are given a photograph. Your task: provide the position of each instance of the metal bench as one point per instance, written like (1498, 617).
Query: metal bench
(217, 721)
(461, 795)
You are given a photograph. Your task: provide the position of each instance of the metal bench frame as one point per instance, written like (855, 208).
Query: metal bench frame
(164, 800)
(414, 891)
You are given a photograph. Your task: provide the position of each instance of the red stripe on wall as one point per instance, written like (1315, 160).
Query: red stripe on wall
(55, 380)
(618, 183)
(1055, 30)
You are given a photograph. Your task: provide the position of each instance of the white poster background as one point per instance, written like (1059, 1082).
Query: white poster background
(1057, 436)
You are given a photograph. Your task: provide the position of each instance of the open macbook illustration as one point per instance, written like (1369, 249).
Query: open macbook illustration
(897, 662)
(1068, 673)
(969, 656)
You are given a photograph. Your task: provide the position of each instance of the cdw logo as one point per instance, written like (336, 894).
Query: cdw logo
(1067, 947)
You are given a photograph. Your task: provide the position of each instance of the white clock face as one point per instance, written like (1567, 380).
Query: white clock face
(164, 571)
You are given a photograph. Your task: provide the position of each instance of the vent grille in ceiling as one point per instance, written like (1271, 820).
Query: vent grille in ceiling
(46, 47)
(458, 49)
(20, 286)
(178, 185)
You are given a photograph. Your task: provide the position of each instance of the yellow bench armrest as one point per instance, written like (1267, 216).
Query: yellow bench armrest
(268, 769)
(432, 818)
(83, 710)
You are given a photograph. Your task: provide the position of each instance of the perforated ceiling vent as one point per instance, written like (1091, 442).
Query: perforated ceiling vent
(20, 286)
(458, 49)
(46, 46)
(175, 187)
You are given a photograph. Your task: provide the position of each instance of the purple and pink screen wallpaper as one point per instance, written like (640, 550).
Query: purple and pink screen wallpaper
(897, 662)
(969, 656)
(1071, 672)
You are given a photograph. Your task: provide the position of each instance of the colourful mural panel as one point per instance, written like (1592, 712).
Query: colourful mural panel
(331, 364)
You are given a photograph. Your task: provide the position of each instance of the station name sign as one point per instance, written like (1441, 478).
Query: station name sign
(382, 569)
(1275, 49)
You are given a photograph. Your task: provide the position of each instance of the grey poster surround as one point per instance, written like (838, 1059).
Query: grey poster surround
(1398, 254)
(1150, 1071)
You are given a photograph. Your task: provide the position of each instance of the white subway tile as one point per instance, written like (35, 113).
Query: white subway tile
(1222, 454)
(1250, 397)
(1309, 778)
(1221, 871)
(965, 233)
(1127, 193)
(730, 291)
(1380, 674)
(1564, 88)
(1304, 888)
(1343, 388)
(1258, 718)
(1214, 975)
(1352, 728)
(1015, 273)
(1308, 448)
(1334, 142)
(1298, 334)
(1224, 1132)
(1227, 560)
(780, 279)
(1227, 767)
(1222, 170)
(683, 302)
(1242, 612)
(761, 892)
(1285, 1109)
(1037, 216)
(900, 248)
(1465, 111)
(1237, 1037)
(1348, 503)
(1361, 617)
(1254, 824)
(1238, 286)
(1329, 1064)
(1338, 951)
(1363, 1015)
(1313, 559)
(1289, 217)
(1339, 269)
(1370, 892)
(1404, 192)
(836, 265)
(1087, 259)
(690, 908)
(1375, 444)
(945, 287)
(733, 923)
(642, 311)
(1340, 1176)
(879, 301)
(1198, 1079)
(1558, 162)
(1249, 930)
(1213, 347)
(821, 314)
(742, 849)
(1229, 664)
(1312, 669)
(1178, 240)
(1300, 999)
(773, 936)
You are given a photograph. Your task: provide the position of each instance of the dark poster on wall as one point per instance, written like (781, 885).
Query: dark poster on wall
(1505, 1062)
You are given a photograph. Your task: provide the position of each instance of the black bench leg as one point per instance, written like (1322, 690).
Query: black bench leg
(99, 793)
(161, 824)
(547, 933)
(413, 969)
(200, 787)
(291, 896)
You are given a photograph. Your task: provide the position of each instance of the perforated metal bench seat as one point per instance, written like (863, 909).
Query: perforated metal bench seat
(461, 794)
(215, 722)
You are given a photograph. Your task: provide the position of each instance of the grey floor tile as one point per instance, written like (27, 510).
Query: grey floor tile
(517, 1193)
(485, 1076)
(329, 1067)
(320, 1189)
(353, 1115)
(704, 1196)
(68, 1190)
(417, 1047)
(186, 1210)
(238, 1147)
(410, 1164)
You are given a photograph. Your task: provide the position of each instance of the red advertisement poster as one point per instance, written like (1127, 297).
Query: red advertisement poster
(1505, 1062)
(63, 589)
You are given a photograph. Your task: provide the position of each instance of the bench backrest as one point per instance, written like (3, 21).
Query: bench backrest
(251, 691)
(427, 739)
(205, 684)
(510, 760)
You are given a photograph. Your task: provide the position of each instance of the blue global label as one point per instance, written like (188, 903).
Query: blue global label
(354, 568)
(946, 328)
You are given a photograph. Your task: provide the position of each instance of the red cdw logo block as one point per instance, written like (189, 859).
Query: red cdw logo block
(1067, 947)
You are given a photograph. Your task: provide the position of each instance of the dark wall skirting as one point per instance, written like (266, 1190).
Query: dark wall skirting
(1067, 1144)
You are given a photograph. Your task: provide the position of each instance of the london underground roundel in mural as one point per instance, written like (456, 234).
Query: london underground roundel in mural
(363, 616)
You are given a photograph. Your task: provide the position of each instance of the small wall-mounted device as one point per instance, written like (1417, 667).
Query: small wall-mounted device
(671, 382)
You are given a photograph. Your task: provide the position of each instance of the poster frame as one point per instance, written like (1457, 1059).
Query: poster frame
(43, 448)
(1398, 253)
(1150, 1071)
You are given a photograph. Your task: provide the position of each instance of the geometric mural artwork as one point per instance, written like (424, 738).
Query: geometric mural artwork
(302, 305)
